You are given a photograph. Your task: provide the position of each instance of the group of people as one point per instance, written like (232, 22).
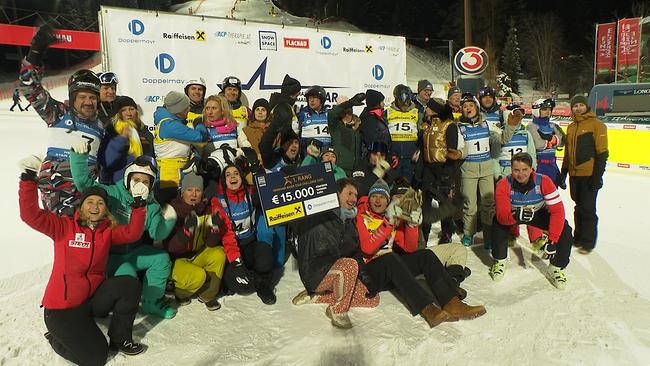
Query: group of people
(147, 221)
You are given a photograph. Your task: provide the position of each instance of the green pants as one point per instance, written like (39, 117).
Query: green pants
(190, 274)
(153, 261)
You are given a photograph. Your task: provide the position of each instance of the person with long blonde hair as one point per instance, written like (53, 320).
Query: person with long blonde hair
(222, 127)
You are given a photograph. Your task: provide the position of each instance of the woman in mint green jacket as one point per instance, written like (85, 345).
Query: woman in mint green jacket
(140, 255)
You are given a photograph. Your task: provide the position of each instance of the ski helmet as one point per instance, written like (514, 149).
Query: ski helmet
(231, 81)
(83, 80)
(403, 93)
(487, 91)
(316, 91)
(200, 82)
(142, 164)
(106, 78)
(542, 104)
(469, 97)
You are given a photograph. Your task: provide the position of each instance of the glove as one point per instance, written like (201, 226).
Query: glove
(549, 250)
(43, 38)
(190, 223)
(595, 183)
(357, 99)
(81, 147)
(434, 204)
(215, 221)
(416, 217)
(514, 119)
(139, 191)
(560, 181)
(240, 273)
(393, 212)
(239, 153)
(30, 166)
(313, 150)
(395, 162)
(454, 154)
(523, 214)
(381, 168)
(168, 212)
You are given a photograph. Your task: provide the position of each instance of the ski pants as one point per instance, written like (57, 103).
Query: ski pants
(485, 186)
(584, 213)
(153, 261)
(341, 288)
(258, 260)
(391, 270)
(541, 220)
(74, 334)
(189, 274)
(277, 236)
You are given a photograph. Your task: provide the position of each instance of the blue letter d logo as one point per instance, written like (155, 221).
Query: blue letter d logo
(136, 27)
(165, 63)
(326, 42)
(378, 72)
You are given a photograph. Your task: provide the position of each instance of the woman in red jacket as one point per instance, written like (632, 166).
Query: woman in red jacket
(78, 290)
(389, 245)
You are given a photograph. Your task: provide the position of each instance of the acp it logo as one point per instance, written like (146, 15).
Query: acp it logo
(136, 27)
(377, 72)
(326, 42)
(165, 63)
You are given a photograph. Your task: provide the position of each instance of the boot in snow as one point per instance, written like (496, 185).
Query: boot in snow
(210, 289)
(556, 276)
(460, 310)
(158, 308)
(212, 305)
(434, 315)
(341, 320)
(129, 348)
(467, 240)
(498, 269)
(302, 298)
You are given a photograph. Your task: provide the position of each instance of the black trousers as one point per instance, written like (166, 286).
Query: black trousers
(541, 220)
(74, 334)
(584, 214)
(258, 259)
(399, 271)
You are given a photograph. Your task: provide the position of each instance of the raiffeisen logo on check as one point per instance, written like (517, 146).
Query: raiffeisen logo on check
(285, 213)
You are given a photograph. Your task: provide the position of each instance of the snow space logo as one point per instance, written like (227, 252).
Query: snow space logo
(268, 40)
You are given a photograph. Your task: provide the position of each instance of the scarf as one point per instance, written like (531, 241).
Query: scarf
(222, 125)
(135, 145)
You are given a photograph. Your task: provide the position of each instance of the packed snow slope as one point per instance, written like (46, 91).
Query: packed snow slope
(600, 319)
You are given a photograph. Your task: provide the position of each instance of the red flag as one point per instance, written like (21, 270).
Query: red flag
(627, 50)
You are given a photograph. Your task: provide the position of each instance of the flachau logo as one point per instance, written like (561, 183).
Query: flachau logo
(136, 27)
(165, 63)
(326, 42)
(268, 40)
(296, 42)
(377, 72)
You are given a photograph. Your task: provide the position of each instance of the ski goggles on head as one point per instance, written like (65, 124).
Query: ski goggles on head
(146, 160)
(108, 78)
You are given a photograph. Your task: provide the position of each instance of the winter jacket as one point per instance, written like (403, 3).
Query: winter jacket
(323, 239)
(403, 128)
(183, 244)
(586, 150)
(115, 155)
(521, 141)
(254, 132)
(173, 137)
(377, 236)
(373, 129)
(547, 194)
(313, 125)
(119, 203)
(346, 140)
(105, 112)
(282, 118)
(80, 253)
(481, 145)
(240, 207)
(338, 172)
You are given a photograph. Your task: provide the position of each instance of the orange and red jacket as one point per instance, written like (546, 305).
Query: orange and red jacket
(80, 253)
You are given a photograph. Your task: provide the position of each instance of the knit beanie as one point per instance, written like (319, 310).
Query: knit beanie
(453, 90)
(290, 86)
(95, 191)
(261, 103)
(286, 137)
(176, 102)
(424, 84)
(191, 180)
(374, 98)
(579, 99)
(380, 187)
(328, 150)
(123, 101)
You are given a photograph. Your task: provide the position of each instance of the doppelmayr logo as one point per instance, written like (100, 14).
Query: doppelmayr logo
(165, 63)
(136, 27)
(326, 47)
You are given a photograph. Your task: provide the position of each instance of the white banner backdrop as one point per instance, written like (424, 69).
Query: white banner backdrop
(154, 53)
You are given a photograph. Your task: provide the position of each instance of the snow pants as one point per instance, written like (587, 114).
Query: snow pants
(399, 271)
(584, 213)
(153, 261)
(258, 260)
(170, 178)
(501, 233)
(277, 236)
(341, 288)
(75, 336)
(485, 186)
(190, 274)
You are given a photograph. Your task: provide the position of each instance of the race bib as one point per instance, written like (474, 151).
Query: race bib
(403, 131)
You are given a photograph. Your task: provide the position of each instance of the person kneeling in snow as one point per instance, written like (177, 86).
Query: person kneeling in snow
(530, 198)
(389, 245)
(203, 235)
(78, 290)
(329, 260)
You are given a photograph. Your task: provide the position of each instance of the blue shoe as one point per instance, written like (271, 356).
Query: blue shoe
(467, 240)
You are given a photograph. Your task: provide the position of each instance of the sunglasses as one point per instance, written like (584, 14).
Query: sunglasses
(108, 78)
(146, 160)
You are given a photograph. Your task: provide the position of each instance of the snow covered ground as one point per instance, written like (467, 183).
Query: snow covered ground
(600, 319)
